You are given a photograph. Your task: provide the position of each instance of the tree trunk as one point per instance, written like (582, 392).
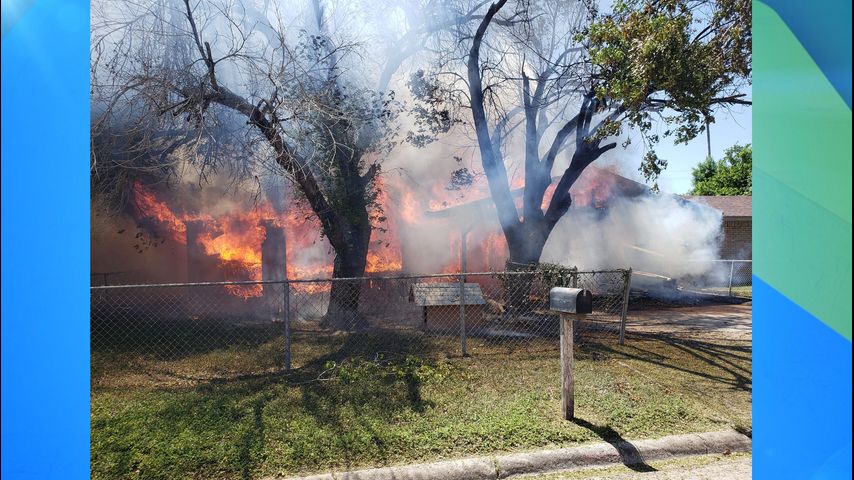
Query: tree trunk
(350, 262)
(527, 245)
(525, 250)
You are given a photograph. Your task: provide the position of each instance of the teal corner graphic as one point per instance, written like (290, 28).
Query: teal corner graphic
(802, 176)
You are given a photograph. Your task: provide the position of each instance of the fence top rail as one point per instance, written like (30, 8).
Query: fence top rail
(722, 260)
(350, 279)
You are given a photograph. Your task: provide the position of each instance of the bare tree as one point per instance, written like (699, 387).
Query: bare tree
(196, 69)
(526, 65)
(524, 78)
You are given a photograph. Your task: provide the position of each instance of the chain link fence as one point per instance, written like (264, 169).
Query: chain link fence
(236, 329)
(733, 278)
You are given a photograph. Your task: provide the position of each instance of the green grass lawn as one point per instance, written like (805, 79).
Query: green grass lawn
(191, 417)
(745, 292)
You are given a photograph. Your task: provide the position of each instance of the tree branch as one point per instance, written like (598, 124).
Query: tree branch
(288, 159)
(493, 165)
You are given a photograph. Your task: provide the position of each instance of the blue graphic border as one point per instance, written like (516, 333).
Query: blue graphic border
(45, 242)
(802, 396)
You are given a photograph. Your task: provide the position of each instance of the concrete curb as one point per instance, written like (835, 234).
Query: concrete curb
(545, 461)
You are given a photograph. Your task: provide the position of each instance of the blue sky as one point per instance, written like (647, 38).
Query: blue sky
(730, 128)
(734, 126)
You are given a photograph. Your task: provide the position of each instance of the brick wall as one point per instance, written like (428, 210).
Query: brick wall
(738, 240)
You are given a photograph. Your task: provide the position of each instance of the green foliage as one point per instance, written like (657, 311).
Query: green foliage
(409, 368)
(703, 170)
(556, 275)
(676, 59)
(732, 175)
(547, 274)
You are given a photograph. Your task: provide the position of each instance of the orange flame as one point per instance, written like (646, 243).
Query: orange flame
(234, 238)
(147, 205)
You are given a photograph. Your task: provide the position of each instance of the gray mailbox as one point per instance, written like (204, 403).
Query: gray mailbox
(570, 300)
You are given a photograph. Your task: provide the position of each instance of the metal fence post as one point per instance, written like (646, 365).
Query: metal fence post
(463, 252)
(625, 309)
(731, 271)
(286, 317)
(463, 315)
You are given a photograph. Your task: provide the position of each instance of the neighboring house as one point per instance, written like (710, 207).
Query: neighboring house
(737, 213)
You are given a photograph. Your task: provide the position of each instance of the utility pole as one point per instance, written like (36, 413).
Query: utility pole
(708, 140)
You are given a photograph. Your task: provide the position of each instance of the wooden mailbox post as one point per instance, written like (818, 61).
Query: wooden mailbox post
(571, 303)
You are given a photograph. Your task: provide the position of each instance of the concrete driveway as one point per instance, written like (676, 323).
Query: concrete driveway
(708, 322)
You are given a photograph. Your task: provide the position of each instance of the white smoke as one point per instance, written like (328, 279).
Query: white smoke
(653, 233)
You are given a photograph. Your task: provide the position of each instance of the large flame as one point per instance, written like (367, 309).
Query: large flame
(234, 237)
(148, 206)
(384, 253)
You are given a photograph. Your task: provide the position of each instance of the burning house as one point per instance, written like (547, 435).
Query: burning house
(479, 231)
(420, 234)
(424, 231)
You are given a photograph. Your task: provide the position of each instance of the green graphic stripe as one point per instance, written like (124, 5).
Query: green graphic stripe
(802, 176)
(806, 124)
(804, 251)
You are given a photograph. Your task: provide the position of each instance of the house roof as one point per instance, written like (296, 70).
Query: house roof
(619, 184)
(443, 294)
(731, 206)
